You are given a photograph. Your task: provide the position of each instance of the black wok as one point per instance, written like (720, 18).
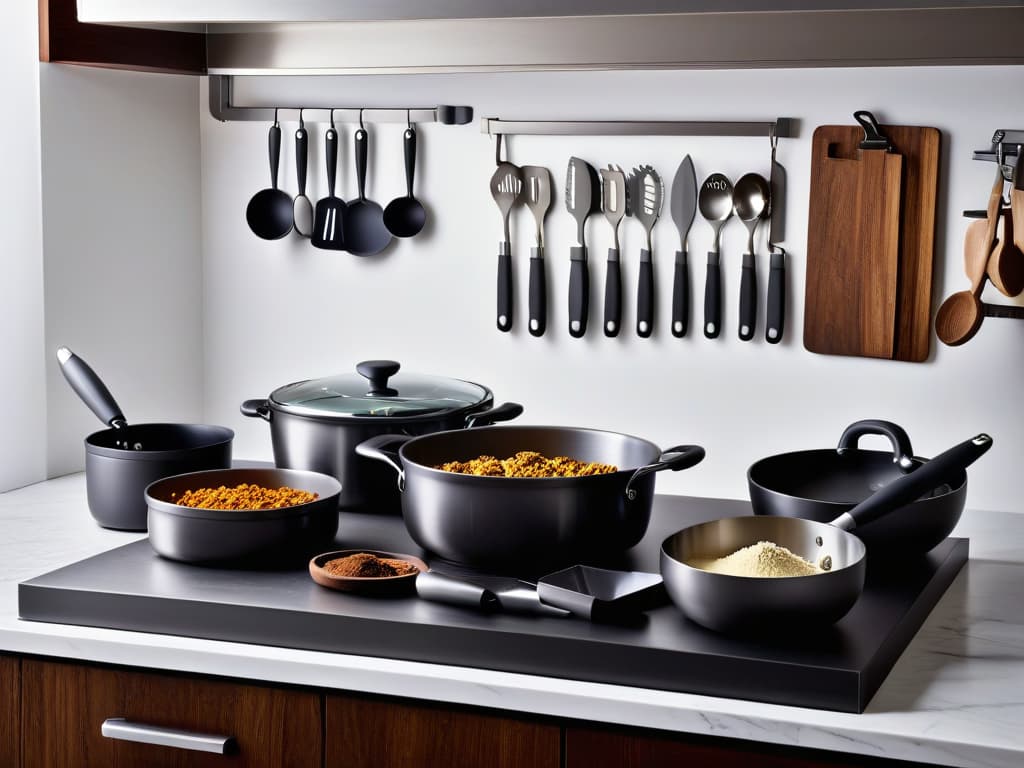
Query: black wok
(822, 484)
(727, 603)
(120, 462)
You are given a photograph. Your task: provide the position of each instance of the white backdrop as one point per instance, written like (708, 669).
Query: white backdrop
(275, 312)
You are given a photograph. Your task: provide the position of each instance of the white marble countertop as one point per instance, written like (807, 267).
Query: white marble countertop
(955, 697)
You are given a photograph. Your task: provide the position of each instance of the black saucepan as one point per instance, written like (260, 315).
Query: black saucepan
(727, 603)
(525, 525)
(120, 462)
(822, 484)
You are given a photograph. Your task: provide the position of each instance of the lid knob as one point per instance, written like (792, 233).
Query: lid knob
(378, 372)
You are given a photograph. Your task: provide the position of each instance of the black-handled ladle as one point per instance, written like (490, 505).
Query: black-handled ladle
(405, 216)
(269, 212)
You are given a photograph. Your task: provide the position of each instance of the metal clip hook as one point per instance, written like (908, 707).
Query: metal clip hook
(408, 118)
(302, 125)
(873, 138)
(497, 149)
(332, 119)
(361, 126)
(276, 124)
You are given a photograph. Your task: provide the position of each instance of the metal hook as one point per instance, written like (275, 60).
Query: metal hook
(332, 119)
(301, 123)
(361, 126)
(497, 149)
(275, 116)
(408, 118)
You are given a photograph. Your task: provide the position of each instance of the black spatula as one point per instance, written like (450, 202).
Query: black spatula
(329, 221)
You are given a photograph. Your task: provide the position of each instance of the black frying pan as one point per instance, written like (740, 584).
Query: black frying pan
(120, 462)
(822, 484)
(728, 603)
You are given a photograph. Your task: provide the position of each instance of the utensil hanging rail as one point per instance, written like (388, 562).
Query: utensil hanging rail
(781, 127)
(222, 108)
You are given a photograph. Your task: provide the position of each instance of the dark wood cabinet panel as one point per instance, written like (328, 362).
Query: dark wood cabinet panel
(63, 39)
(64, 706)
(10, 710)
(368, 733)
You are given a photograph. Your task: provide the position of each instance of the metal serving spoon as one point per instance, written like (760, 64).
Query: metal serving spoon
(750, 201)
(715, 202)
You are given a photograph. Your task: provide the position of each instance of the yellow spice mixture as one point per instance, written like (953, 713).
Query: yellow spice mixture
(244, 497)
(528, 464)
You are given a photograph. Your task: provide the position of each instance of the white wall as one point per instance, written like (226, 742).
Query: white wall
(280, 311)
(121, 217)
(22, 383)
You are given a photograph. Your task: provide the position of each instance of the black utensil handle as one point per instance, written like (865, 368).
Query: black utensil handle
(645, 296)
(274, 142)
(613, 295)
(579, 291)
(301, 157)
(713, 298)
(331, 150)
(680, 296)
(748, 298)
(503, 412)
(910, 487)
(90, 388)
(361, 143)
(675, 458)
(775, 321)
(538, 293)
(410, 158)
(504, 287)
(256, 409)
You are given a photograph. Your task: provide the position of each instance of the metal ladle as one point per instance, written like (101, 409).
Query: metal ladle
(715, 203)
(749, 200)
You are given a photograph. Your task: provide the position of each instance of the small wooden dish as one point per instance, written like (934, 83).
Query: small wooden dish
(366, 585)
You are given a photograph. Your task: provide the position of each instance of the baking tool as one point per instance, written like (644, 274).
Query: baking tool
(269, 212)
(537, 195)
(821, 484)
(366, 585)
(775, 320)
(715, 201)
(329, 219)
(1005, 267)
(1017, 199)
(316, 424)
(506, 186)
(405, 216)
(302, 208)
(526, 525)
(647, 193)
(365, 233)
(582, 198)
(683, 206)
(749, 200)
(739, 603)
(233, 536)
(120, 462)
(856, 276)
(960, 315)
(614, 197)
(601, 594)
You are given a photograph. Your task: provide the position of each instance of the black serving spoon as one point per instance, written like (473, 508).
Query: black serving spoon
(269, 212)
(405, 216)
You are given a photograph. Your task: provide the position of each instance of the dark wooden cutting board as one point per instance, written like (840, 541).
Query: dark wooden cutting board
(870, 243)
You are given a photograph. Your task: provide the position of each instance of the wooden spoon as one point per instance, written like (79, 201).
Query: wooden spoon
(1017, 200)
(960, 315)
(1006, 264)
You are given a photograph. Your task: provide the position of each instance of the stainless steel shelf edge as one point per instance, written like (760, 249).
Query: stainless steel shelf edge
(222, 108)
(781, 127)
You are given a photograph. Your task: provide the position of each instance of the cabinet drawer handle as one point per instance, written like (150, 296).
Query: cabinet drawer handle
(125, 730)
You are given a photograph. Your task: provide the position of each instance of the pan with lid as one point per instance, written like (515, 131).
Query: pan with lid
(731, 602)
(822, 484)
(121, 461)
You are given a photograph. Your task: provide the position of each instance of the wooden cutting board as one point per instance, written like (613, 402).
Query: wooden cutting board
(871, 232)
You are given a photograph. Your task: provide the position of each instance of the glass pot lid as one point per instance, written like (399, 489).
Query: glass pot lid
(378, 389)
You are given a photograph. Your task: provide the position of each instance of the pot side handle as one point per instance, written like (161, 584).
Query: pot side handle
(259, 408)
(385, 448)
(675, 458)
(503, 412)
(902, 452)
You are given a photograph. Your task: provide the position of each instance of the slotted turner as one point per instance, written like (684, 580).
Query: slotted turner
(647, 194)
(506, 186)
(537, 196)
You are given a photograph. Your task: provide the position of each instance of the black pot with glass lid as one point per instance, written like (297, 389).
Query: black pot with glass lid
(316, 424)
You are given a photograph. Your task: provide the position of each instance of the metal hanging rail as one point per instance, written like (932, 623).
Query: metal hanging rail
(781, 127)
(221, 108)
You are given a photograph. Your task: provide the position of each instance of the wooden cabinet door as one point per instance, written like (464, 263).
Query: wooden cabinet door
(10, 711)
(65, 705)
(372, 733)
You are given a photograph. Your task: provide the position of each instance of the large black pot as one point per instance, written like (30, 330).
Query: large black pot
(822, 484)
(316, 424)
(120, 462)
(525, 525)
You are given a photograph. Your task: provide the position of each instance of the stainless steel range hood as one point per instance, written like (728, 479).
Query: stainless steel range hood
(399, 36)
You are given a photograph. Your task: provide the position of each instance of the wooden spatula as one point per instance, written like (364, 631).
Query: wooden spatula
(1017, 199)
(1006, 264)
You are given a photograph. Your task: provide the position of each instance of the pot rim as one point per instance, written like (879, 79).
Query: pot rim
(623, 473)
(226, 436)
(839, 506)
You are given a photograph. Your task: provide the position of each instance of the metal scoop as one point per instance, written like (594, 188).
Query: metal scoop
(715, 202)
(749, 200)
(613, 201)
(537, 194)
(648, 194)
